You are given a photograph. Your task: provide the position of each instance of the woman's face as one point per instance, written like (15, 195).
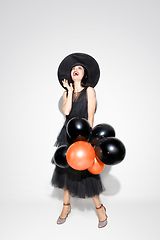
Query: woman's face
(77, 73)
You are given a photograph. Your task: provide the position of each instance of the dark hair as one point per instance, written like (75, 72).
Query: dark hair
(84, 79)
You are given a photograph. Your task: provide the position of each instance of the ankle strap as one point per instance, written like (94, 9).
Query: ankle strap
(66, 204)
(99, 207)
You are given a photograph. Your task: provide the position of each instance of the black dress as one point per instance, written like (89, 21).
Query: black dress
(80, 184)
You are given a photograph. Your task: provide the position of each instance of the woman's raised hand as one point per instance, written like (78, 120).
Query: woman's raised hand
(66, 85)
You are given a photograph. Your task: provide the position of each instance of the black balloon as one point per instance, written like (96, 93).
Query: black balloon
(59, 157)
(110, 150)
(101, 131)
(79, 129)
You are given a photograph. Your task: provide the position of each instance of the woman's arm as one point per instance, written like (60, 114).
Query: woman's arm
(67, 99)
(91, 104)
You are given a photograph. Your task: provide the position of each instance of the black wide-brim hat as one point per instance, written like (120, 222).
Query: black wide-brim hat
(86, 61)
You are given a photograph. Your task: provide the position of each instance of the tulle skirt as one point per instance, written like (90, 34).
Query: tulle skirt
(80, 184)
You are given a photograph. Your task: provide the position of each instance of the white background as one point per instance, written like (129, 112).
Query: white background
(123, 36)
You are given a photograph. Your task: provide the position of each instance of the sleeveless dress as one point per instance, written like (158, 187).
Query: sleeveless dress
(80, 184)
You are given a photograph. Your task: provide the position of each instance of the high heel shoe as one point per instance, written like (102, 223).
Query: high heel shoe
(62, 220)
(102, 224)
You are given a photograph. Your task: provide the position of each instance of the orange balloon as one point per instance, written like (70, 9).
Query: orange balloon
(80, 155)
(97, 167)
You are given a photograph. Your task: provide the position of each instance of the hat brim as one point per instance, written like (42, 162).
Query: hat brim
(93, 71)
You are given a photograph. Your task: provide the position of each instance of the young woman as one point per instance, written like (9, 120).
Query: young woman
(79, 100)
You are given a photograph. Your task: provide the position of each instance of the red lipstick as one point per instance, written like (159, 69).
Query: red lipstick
(75, 73)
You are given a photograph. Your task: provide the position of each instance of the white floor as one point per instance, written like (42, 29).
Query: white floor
(35, 218)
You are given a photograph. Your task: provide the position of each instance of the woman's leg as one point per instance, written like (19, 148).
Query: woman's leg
(66, 208)
(100, 210)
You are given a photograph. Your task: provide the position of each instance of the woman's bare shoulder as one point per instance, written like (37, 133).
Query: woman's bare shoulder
(65, 93)
(91, 91)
